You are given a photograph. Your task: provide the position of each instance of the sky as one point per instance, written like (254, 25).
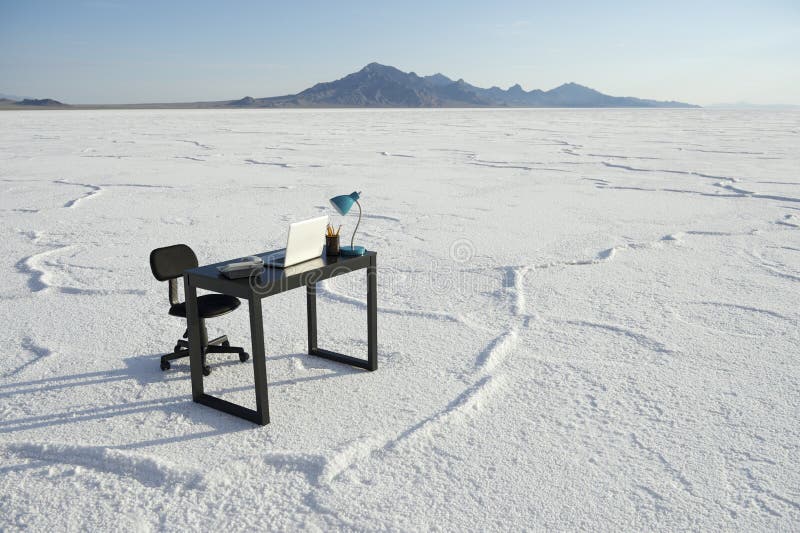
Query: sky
(114, 51)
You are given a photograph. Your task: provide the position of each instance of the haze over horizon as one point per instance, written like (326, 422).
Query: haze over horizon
(106, 51)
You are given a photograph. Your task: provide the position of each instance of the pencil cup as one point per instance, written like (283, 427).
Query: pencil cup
(332, 245)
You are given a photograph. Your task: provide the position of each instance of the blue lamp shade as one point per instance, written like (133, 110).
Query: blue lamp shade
(344, 202)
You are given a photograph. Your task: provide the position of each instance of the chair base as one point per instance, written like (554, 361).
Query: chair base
(218, 345)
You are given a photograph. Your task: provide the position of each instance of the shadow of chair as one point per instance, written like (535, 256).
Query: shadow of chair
(141, 369)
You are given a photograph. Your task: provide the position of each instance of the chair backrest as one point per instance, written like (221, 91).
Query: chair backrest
(170, 262)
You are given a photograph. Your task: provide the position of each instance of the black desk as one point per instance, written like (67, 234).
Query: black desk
(274, 281)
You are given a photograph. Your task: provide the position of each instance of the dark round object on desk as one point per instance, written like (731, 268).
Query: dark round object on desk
(331, 245)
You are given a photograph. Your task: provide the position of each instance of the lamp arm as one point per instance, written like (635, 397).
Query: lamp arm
(357, 223)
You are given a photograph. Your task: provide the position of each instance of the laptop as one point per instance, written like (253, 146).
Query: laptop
(306, 240)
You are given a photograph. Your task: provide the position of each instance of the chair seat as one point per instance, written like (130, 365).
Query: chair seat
(208, 305)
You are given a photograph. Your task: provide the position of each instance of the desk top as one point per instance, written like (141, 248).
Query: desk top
(273, 280)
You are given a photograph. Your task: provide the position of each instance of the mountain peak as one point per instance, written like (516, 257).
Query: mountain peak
(573, 85)
(246, 101)
(376, 67)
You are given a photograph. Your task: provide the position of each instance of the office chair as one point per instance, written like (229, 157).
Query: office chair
(168, 264)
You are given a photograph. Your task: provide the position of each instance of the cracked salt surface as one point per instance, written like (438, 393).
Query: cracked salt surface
(564, 340)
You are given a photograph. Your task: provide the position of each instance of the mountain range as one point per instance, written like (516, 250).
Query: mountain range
(378, 85)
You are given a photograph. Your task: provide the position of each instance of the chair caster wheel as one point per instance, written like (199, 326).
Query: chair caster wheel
(164, 365)
(244, 356)
(206, 370)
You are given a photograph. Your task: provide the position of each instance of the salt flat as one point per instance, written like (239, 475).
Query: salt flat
(588, 320)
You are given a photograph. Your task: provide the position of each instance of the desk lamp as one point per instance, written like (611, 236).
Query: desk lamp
(343, 204)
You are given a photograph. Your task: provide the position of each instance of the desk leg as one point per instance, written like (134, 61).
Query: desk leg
(195, 342)
(261, 414)
(311, 307)
(259, 361)
(372, 315)
(372, 326)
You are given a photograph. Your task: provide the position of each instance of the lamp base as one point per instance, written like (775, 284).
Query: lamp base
(352, 250)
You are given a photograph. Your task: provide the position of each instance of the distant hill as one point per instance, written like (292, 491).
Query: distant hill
(44, 102)
(378, 85)
(8, 103)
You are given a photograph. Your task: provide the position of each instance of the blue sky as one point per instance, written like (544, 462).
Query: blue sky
(109, 51)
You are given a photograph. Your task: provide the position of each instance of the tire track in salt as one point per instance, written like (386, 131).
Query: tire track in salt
(671, 469)
(147, 470)
(324, 290)
(774, 268)
(643, 340)
(31, 266)
(722, 182)
(486, 383)
(94, 190)
(669, 171)
(40, 276)
(38, 352)
(196, 143)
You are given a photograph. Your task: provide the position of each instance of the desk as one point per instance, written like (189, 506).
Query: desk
(274, 281)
